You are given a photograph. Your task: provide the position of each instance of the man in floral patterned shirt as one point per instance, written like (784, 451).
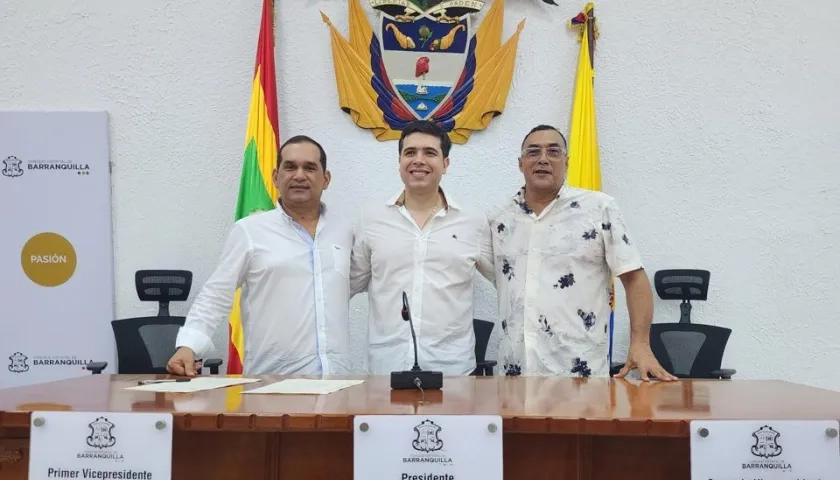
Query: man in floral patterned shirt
(557, 249)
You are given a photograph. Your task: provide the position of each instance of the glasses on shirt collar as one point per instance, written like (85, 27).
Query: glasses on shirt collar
(552, 152)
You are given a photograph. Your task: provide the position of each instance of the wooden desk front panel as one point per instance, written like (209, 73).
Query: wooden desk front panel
(329, 455)
(555, 428)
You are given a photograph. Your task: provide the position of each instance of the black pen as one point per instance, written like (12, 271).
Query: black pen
(168, 380)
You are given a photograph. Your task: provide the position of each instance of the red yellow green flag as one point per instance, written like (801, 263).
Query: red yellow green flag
(256, 190)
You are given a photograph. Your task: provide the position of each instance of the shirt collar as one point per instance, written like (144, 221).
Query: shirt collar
(279, 204)
(398, 199)
(519, 198)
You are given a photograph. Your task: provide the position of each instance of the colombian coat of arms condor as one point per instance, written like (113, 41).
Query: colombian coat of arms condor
(424, 60)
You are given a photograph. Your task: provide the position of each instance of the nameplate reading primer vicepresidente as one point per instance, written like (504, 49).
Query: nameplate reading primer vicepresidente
(427, 447)
(100, 446)
(765, 450)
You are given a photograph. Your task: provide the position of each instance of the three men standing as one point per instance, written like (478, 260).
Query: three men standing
(552, 253)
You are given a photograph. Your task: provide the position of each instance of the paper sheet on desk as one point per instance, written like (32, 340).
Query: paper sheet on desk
(305, 386)
(195, 384)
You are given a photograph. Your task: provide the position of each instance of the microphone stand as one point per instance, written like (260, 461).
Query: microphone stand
(416, 377)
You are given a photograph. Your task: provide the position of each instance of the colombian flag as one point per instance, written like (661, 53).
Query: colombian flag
(256, 189)
(584, 162)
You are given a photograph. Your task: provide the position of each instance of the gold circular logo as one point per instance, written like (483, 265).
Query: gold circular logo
(48, 259)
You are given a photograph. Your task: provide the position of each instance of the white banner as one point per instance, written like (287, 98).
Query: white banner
(56, 255)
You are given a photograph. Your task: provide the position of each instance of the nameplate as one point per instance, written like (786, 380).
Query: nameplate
(765, 449)
(427, 447)
(100, 446)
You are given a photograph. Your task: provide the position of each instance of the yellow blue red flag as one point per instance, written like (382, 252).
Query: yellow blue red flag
(584, 161)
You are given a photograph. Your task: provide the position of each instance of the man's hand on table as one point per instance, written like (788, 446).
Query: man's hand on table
(182, 363)
(641, 358)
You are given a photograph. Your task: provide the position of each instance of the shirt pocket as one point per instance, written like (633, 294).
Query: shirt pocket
(341, 260)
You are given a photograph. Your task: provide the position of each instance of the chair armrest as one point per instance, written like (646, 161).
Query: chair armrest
(723, 373)
(96, 367)
(213, 364)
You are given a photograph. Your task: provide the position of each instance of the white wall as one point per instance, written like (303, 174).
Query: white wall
(718, 125)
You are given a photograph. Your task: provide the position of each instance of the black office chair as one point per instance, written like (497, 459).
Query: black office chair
(685, 349)
(683, 285)
(145, 344)
(691, 350)
(482, 329)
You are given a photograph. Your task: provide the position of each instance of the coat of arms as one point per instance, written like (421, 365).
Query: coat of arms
(100, 433)
(766, 443)
(424, 60)
(427, 437)
(17, 363)
(11, 167)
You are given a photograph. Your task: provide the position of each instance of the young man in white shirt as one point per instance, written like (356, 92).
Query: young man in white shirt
(293, 264)
(423, 243)
(558, 249)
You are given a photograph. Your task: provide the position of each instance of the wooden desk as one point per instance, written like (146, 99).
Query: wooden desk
(554, 428)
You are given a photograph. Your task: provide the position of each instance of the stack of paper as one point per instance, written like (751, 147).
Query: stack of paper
(195, 384)
(304, 386)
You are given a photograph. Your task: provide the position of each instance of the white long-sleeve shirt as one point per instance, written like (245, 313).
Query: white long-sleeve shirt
(295, 295)
(435, 266)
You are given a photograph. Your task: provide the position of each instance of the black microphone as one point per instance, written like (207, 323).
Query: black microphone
(416, 377)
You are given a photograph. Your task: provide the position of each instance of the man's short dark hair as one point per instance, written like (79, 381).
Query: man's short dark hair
(302, 139)
(542, 128)
(429, 128)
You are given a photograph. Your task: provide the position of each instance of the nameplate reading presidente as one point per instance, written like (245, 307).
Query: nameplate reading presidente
(100, 446)
(427, 447)
(765, 449)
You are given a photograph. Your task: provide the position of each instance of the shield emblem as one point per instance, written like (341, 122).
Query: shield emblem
(100, 433)
(766, 443)
(427, 437)
(424, 53)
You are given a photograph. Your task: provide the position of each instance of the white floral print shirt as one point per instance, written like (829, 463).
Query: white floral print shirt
(554, 275)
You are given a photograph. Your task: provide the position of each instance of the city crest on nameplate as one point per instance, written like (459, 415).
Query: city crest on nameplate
(424, 60)
(424, 46)
(427, 437)
(766, 451)
(428, 445)
(100, 433)
(101, 439)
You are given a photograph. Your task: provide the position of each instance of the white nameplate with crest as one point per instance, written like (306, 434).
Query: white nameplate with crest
(100, 446)
(427, 447)
(765, 449)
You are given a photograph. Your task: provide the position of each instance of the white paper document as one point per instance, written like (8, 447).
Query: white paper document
(306, 386)
(195, 384)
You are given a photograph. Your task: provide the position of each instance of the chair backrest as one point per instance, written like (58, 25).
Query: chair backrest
(163, 286)
(145, 344)
(689, 350)
(482, 329)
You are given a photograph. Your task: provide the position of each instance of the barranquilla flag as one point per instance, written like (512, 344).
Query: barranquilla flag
(257, 192)
(584, 162)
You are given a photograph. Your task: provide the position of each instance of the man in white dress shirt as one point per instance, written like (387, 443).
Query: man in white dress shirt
(423, 243)
(293, 264)
(557, 250)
